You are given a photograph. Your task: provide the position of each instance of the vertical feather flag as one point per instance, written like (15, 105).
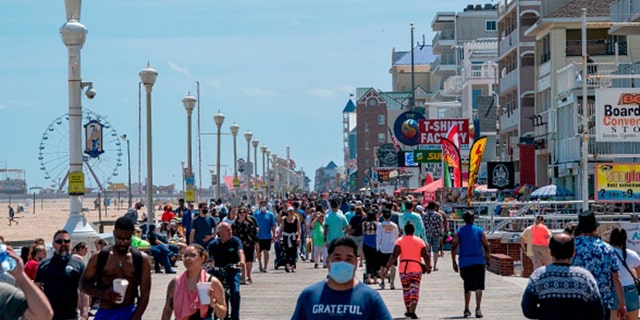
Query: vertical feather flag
(451, 162)
(453, 135)
(393, 139)
(475, 157)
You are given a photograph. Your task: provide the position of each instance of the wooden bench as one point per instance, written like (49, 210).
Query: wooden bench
(501, 264)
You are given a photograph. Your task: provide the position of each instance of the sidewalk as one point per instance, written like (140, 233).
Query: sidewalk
(273, 295)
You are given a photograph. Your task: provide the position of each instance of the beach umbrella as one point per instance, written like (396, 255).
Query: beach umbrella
(551, 191)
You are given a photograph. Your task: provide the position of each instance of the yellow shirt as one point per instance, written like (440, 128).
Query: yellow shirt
(526, 236)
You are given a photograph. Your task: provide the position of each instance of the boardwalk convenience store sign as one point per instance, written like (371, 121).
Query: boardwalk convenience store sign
(617, 182)
(617, 115)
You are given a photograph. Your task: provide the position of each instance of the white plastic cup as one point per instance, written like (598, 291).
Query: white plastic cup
(203, 292)
(120, 286)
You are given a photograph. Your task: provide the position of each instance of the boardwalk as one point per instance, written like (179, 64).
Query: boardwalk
(273, 295)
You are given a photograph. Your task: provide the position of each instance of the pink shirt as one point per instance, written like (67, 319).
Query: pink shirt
(410, 247)
(540, 235)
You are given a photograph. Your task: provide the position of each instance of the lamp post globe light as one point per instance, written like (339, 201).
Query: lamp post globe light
(255, 144)
(189, 103)
(267, 153)
(73, 35)
(263, 149)
(234, 128)
(218, 118)
(248, 135)
(148, 77)
(124, 137)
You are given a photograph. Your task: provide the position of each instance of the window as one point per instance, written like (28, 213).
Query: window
(382, 138)
(490, 25)
(381, 119)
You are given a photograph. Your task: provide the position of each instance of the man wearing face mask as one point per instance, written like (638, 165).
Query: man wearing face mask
(341, 295)
(59, 276)
(266, 233)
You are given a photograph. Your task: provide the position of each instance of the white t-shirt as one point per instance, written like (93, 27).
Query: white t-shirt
(386, 236)
(633, 260)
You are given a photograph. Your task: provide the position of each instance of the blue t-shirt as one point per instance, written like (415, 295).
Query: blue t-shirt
(265, 222)
(319, 301)
(203, 227)
(335, 223)
(470, 250)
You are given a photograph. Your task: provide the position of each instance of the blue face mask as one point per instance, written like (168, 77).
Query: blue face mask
(341, 272)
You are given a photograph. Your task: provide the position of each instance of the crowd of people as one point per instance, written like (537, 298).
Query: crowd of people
(577, 275)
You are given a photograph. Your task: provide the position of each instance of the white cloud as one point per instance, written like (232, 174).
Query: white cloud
(178, 69)
(259, 92)
(319, 92)
(214, 82)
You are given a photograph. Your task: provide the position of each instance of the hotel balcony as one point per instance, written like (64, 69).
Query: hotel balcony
(596, 48)
(509, 81)
(444, 65)
(569, 78)
(625, 11)
(443, 41)
(509, 119)
(509, 42)
(443, 21)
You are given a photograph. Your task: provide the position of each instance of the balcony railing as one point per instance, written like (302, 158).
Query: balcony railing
(510, 119)
(624, 10)
(509, 41)
(444, 35)
(509, 81)
(570, 77)
(479, 71)
(596, 48)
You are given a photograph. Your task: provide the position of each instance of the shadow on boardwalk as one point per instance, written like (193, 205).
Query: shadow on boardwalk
(273, 295)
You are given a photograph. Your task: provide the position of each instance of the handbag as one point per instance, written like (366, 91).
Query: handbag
(636, 281)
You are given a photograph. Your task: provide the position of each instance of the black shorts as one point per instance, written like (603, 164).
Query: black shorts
(384, 259)
(473, 277)
(264, 244)
(249, 253)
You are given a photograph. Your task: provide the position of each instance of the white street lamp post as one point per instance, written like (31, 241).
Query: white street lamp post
(124, 137)
(263, 149)
(274, 163)
(248, 135)
(268, 155)
(189, 103)
(255, 143)
(218, 118)
(234, 128)
(148, 76)
(73, 36)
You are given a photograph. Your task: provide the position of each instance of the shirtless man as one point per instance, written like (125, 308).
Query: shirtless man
(119, 264)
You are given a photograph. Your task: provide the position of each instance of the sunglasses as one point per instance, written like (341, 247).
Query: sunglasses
(61, 241)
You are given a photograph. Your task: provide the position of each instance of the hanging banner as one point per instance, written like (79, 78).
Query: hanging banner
(475, 157)
(617, 182)
(93, 138)
(500, 175)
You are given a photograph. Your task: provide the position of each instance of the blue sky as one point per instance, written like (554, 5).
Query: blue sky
(283, 69)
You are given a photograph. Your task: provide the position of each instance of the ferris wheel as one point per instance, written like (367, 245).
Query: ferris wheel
(101, 158)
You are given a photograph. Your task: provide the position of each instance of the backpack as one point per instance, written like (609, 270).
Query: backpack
(137, 264)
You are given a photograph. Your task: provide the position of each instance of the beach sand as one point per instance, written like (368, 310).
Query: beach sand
(50, 216)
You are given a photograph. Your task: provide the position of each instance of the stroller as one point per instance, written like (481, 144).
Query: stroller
(281, 256)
